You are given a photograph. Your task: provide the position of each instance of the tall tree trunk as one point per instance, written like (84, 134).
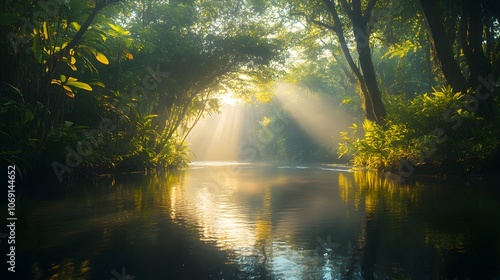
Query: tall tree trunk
(372, 102)
(471, 39)
(373, 95)
(442, 47)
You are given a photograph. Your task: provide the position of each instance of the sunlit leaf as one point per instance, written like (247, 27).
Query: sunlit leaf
(128, 55)
(439, 94)
(75, 25)
(45, 30)
(55, 82)
(69, 92)
(97, 83)
(101, 58)
(77, 84)
(119, 29)
(457, 95)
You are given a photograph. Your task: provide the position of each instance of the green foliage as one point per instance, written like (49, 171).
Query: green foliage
(280, 137)
(17, 142)
(379, 148)
(151, 69)
(154, 68)
(441, 128)
(173, 154)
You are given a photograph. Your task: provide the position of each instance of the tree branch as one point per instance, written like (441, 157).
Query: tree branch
(311, 20)
(78, 36)
(369, 9)
(346, 7)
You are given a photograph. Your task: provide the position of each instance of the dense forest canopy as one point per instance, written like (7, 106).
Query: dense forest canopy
(117, 85)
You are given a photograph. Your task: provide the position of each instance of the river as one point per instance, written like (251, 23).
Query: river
(250, 221)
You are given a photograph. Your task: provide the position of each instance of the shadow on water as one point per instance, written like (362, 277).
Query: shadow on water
(260, 222)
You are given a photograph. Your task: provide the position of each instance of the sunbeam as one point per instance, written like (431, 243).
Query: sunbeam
(219, 137)
(316, 114)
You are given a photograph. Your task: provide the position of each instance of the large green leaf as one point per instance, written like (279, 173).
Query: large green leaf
(74, 83)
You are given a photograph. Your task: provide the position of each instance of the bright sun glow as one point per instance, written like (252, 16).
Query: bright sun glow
(220, 137)
(228, 99)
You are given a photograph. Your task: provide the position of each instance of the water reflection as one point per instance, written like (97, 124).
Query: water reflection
(264, 222)
(236, 215)
(438, 225)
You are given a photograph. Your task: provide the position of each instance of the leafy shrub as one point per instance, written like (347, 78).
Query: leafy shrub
(437, 129)
(380, 148)
(152, 150)
(18, 127)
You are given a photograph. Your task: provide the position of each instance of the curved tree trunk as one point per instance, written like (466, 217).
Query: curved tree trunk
(442, 46)
(372, 99)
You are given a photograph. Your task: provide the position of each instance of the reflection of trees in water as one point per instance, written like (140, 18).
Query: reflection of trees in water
(421, 230)
(68, 268)
(95, 214)
(408, 231)
(372, 191)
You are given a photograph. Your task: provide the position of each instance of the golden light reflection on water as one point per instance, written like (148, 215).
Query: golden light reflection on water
(379, 194)
(211, 209)
(236, 216)
(263, 219)
(66, 269)
(372, 190)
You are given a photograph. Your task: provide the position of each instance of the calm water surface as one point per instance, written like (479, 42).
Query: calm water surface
(221, 221)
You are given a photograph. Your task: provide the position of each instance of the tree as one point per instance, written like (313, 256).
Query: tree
(473, 23)
(153, 68)
(442, 46)
(326, 14)
(200, 54)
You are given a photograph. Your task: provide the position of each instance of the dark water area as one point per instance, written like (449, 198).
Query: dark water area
(244, 221)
